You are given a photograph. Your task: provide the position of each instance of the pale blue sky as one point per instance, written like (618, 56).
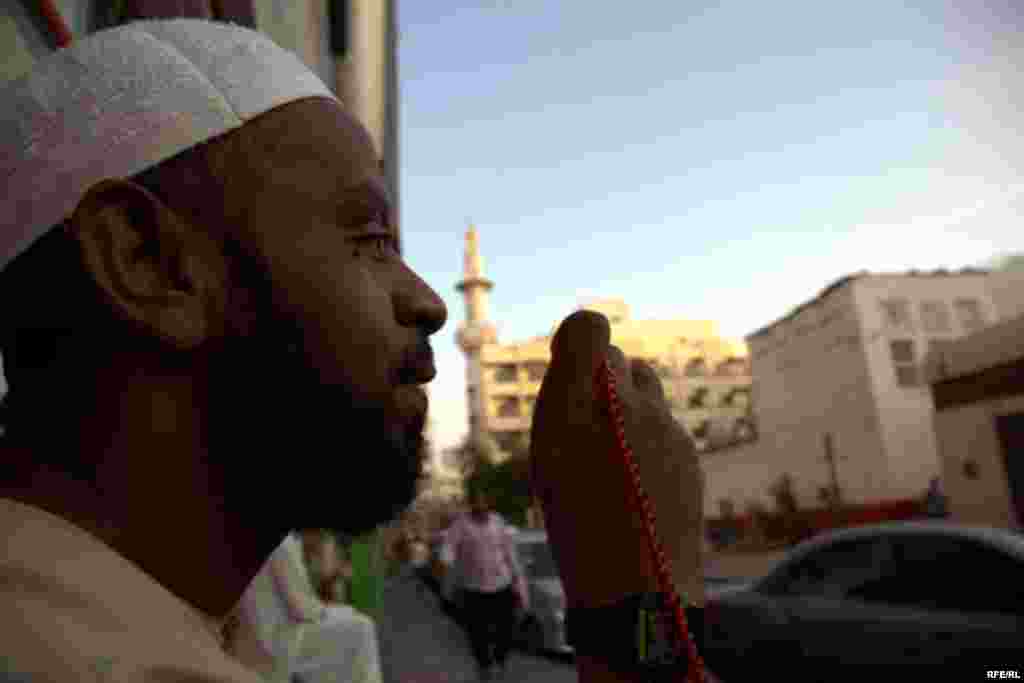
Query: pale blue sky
(701, 160)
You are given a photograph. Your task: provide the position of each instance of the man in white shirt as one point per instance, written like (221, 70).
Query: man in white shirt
(284, 629)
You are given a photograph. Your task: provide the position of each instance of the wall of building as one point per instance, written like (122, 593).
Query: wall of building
(811, 380)
(1007, 291)
(968, 433)
(652, 340)
(906, 411)
(303, 27)
(745, 473)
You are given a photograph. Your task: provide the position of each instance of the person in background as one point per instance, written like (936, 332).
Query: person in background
(328, 563)
(935, 501)
(286, 630)
(269, 621)
(492, 584)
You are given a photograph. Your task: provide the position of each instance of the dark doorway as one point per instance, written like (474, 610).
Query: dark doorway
(1011, 435)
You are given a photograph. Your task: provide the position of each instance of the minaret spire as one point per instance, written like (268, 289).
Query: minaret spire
(476, 330)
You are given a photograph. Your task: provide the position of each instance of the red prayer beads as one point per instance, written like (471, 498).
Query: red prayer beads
(642, 502)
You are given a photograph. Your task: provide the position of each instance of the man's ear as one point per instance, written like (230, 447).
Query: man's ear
(154, 268)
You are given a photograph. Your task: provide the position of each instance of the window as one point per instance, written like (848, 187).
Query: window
(505, 373)
(903, 362)
(744, 430)
(698, 398)
(832, 571)
(696, 367)
(535, 371)
(897, 313)
(737, 396)
(970, 315)
(662, 368)
(508, 407)
(730, 367)
(935, 316)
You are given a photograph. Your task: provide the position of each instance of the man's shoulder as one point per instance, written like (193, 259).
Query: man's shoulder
(86, 613)
(66, 636)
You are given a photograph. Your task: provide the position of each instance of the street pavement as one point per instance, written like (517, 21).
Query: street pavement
(420, 644)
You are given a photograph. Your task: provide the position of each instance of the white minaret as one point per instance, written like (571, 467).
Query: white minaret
(476, 330)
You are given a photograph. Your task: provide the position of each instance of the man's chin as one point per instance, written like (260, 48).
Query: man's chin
(357, 516)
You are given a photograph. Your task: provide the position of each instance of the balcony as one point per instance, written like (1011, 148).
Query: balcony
(508, 424)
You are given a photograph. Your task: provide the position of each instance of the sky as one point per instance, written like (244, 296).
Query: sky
(720, 161)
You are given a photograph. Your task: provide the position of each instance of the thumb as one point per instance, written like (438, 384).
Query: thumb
(580, 344)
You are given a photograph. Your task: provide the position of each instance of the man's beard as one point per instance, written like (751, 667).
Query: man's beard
(302, 454)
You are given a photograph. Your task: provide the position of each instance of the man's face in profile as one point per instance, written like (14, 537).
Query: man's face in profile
(319, 415)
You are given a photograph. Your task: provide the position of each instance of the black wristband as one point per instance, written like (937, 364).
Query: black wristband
(611, 634)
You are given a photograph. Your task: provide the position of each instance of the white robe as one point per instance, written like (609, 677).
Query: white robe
(285, 629)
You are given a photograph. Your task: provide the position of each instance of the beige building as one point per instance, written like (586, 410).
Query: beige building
(706, 377)
(839, 390)
(977, 387)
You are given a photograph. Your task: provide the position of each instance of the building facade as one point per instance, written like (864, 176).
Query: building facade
(706, 377)
(977, 386)
(842, 402)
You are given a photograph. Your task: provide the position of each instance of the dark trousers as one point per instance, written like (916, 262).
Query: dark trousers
(490, 622)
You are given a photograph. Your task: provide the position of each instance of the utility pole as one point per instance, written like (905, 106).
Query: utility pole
(830, 459)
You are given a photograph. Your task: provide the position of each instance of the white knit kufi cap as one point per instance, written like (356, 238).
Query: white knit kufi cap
(122, 100)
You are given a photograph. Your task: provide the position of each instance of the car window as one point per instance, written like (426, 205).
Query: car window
(537, 560)
(831, 571)
(941, 572)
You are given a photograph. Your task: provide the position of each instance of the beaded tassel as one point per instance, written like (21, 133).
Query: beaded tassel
(642, 502)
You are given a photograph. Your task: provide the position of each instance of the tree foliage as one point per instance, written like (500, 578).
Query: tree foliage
(505, 483)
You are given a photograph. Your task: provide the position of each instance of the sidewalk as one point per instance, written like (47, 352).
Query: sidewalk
(420, 644)
(417, 643)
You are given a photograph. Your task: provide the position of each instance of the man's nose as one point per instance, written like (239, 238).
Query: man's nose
(418, 305)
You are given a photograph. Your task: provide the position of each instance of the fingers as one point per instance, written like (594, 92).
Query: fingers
(580, 343)
(647, 382)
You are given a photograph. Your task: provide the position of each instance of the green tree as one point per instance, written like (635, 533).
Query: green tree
(1013, 261)
(506, 483)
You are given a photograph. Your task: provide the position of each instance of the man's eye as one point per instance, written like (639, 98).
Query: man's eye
(383, 245)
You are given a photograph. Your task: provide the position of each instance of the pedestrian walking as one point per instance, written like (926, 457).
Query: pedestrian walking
(492, 584)
(935, 501)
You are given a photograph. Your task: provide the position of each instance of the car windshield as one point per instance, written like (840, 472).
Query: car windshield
(537, 559)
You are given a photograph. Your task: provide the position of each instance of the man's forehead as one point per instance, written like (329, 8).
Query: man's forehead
(313, 130)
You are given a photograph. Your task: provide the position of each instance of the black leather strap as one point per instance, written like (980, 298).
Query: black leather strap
(610, 632)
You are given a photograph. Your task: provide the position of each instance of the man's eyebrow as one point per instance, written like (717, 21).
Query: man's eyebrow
(367, 197)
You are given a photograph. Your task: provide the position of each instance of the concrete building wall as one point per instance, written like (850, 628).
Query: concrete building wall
(1007, 291)
(811, 384)
(522, 365)
(911, 455)
(967, 433)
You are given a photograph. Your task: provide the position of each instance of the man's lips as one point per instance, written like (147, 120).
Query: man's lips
(418, 366)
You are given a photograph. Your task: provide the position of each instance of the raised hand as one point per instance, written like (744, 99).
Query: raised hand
(581, 479)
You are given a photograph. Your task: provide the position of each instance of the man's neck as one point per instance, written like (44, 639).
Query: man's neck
(157, 500)
(182, 540)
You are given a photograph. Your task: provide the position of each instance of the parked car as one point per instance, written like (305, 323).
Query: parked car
(922, 594)
(542, 628)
